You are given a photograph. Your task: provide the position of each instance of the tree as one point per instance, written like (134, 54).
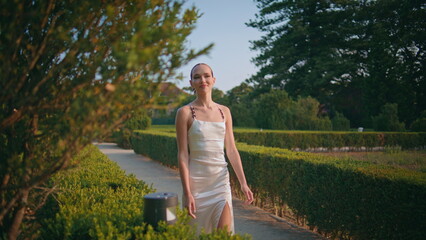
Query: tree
(419, 125)
(276, 110)
(72, 71)
(340, 122)
(353, 55)
(388, 120)
(239, 100)
(273, 111)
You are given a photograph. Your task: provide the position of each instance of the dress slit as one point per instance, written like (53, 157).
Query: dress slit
(229, 227)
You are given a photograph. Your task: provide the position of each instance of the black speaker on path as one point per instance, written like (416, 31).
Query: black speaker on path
(160, 206)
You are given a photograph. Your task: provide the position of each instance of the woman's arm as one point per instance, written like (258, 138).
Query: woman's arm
(234, 156)
(183, 157)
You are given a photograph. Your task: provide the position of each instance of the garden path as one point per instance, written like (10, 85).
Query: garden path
(248, 219)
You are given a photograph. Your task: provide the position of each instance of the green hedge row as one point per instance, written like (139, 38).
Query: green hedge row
(311, 140)
(314, 139)
(345, 198)
(97, 200)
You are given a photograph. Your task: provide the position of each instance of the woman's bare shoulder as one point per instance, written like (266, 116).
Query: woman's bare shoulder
(224, 108)
(184, 111)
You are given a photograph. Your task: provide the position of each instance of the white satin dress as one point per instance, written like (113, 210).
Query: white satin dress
(208, 173)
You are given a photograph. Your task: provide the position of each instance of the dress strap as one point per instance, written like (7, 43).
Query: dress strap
(221, 112)
(192, 111)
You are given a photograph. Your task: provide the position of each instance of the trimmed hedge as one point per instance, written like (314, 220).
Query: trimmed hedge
(97, 200)
(311, 140)
(138, 120)
(304, 140)
(344, 198)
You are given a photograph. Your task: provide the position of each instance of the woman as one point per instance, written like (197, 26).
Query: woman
(207, 128)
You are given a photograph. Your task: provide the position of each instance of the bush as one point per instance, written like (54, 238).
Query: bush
(342, 197)
(419, 125)
(275, 110)
(137, 121)
(308, 140)
(306, 115)
(242, 115)
(96, 200)
(318, 140)
(387, 120)
(340, 123)
(271, 110)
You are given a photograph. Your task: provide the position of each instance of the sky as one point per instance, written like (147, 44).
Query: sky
(223, 23)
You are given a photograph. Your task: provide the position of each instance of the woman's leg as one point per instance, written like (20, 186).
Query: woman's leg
(225, 218)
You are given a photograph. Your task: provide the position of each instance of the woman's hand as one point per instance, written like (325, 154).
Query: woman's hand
(190, 205)
(247, 192)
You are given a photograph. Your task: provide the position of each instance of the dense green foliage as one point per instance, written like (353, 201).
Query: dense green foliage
(354, 56)
(70, 72)
(340, 122)
(341, 197)
(303, 140)
(419, 125)
(138, 120)
(275, 110)
(330, 140)
(272, 110)
(93, 199)
(239, 101)
(97, 200)
(388, 120)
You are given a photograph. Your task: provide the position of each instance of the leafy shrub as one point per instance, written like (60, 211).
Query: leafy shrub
(341, 197)
(275, 110)
(272, 110)
(137, 121)
(304, 140)
(96, 200)
(419, 125)
(392, 149)
(306, 115)
(242, 115)
(387, 120)
(340, 122)
(307, 140)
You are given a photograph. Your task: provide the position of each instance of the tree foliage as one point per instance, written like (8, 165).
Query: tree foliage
(388, 120)
(276, 110)
(70, 71)
(419, 125)
(238, 99)
(355, 55)
(340, 122)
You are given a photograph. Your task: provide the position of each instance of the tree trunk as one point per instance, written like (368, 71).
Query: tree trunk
(19, 216)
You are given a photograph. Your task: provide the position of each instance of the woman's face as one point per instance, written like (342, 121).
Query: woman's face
(202, 79)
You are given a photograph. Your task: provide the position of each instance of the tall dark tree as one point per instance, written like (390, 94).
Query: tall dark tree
(395, 47)
(70, 72)
(354, 55)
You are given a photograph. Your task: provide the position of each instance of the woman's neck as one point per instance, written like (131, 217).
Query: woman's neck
(204, 101)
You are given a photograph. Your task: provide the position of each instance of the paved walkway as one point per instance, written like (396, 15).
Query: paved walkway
(248, 219)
